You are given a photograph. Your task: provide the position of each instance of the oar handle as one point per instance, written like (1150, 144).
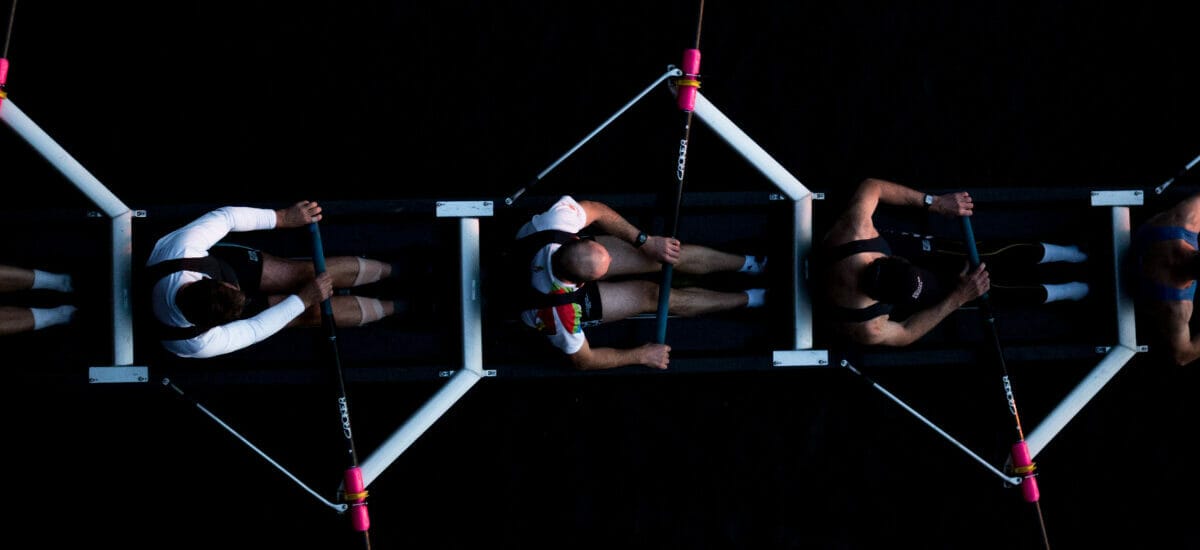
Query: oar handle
(318, 248)
(972, 250)
(319, 263)
(664, 304)
(969, 236)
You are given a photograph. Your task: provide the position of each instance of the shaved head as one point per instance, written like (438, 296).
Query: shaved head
(583, 260)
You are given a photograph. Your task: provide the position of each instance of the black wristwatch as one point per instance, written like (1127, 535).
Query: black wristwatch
(928, 200)
(640, 239)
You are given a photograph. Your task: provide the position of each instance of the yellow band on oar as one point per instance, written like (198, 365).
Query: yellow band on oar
(687, 82)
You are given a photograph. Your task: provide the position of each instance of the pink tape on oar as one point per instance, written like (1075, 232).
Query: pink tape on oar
(3, 77)
(1023, 464)
(356, 495)
(689, 83)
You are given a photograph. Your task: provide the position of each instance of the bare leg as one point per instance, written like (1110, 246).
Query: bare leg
(15, 278)
(286, 275)
(14, 320)
(699, 260)
(626, 299)
(690, 302)
(693, 259)
(346, 312)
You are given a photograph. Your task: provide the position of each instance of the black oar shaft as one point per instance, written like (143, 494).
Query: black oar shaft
(664, 288)
(990, 322)
(686, 99)
(352, 477)
(1022, 461)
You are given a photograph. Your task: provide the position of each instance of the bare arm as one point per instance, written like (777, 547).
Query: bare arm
(1185, 214)
(874, 191)
(856, 223)
(660, 248)
(882, 331)
(1185, 346)
(609, 220)
(651, 355)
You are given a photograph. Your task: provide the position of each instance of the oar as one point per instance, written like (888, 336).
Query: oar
(1021, 459)
(355, 490)
(686, 87)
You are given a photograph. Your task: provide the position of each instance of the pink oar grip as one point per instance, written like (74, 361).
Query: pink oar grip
(1023, 464)
(691, 70)
(355, 494)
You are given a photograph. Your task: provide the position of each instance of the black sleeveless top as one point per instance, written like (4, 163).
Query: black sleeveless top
(828, 256)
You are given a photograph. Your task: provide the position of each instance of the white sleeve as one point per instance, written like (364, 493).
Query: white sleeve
(194, 239)
(239, 334)
(569, 342)
(565, 215)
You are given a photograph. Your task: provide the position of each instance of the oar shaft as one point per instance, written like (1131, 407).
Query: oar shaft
(969, 235)
(352, 477)
(686, 100)
(985, 302)
(664, 304)
(327, 321)
(1020, 451)
(319, 265)
(664, 289)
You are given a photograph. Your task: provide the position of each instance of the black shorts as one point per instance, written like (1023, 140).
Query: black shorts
(593, 310)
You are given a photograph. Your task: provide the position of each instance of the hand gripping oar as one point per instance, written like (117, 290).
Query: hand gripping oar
(1021, 459)
(355, 491)
(686, 99)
